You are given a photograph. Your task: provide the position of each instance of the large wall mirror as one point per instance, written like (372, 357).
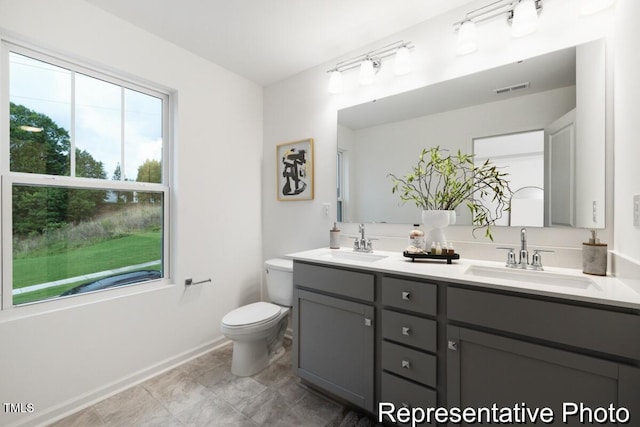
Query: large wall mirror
(541, 119)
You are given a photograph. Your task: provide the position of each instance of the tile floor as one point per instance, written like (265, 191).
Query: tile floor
(203, 392)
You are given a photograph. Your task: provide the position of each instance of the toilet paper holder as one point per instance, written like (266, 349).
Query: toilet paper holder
(190, 282)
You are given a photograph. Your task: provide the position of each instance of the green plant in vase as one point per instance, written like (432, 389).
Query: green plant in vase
(443, 181)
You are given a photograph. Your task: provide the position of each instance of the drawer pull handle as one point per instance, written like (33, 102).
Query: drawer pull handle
(406, 364)
(406, 295)
(367, 321)
(452, 345)
(406, 331)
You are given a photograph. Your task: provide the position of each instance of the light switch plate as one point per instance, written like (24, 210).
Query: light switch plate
(326, 210)
(636, 210)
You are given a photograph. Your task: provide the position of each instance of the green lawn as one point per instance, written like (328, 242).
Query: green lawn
(121, 252)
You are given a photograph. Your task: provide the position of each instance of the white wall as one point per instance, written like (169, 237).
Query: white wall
(627, 131)
(64, 354)
(301, 107)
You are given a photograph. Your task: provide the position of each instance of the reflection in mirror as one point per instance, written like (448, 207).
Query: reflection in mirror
(557, 98)
(521, 155)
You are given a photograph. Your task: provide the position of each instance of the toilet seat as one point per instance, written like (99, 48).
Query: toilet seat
(252, 314)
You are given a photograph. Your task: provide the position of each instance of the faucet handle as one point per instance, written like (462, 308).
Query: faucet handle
(536, 260)
(356, 244)
(511, 256)
(369, 244)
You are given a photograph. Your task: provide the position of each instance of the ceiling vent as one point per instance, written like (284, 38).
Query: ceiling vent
(513, 88)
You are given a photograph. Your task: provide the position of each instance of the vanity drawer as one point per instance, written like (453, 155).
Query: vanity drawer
(409, 363)
(578, 326)
(410, 330)
(346, 283)
(403, 393)
(410, 295)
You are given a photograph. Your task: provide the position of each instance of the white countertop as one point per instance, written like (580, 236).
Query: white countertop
(550, 282)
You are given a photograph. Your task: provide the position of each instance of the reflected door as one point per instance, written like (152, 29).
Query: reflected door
(560, 139)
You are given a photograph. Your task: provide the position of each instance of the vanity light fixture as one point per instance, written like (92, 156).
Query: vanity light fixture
(467, 38)
(335, 81)
(521, 14)
(368, 69)
(524, 18)
(403, 61)
(369, 64)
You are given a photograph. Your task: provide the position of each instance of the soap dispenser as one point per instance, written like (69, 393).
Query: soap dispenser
(334, 237)
(594, 256)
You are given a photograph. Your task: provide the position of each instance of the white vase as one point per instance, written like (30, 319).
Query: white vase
(435, 221)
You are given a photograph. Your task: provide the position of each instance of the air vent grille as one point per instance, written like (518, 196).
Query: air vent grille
(512, 88)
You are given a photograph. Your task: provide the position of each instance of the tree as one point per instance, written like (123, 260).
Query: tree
(117, 174)
(46, 151)
(39, 145)
(121, 196)
(149, 171)
(88, 167)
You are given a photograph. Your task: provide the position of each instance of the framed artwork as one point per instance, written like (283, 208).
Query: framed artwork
(294, 168)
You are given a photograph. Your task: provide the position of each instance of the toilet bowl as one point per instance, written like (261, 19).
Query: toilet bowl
(257, 330)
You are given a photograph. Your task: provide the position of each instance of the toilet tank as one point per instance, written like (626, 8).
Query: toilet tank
(280, 281)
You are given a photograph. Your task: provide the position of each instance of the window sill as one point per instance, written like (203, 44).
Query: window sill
(72, 302)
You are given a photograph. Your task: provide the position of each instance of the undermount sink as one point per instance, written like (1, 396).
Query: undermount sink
(529, 276)
(355, 256)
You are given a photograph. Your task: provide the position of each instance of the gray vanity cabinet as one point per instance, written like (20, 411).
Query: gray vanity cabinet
(509, 349)
(409, 343)
(333, 324)
(369, 337)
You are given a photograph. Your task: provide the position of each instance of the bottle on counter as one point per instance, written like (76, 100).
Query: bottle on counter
(416, 237)
(334, 237)
(450, 250)
(594, 256)
(438, 249)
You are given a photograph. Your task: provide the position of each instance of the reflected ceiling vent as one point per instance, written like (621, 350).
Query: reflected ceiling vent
(512, 88)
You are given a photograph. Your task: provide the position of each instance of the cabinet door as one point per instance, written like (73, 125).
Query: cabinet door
(334, 345)
(630, 391)
(483, 369)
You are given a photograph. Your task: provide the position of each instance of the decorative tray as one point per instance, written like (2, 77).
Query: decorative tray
(428, 255)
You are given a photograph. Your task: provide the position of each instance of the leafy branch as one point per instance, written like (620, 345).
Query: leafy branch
(441, 181)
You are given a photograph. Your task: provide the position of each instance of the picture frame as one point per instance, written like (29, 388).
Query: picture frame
(294, 170)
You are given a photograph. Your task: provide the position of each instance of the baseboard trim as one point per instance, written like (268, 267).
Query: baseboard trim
(69, 407)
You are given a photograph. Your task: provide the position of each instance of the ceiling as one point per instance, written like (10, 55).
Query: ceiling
(270, 40)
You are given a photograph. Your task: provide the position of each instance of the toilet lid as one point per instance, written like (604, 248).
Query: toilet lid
(257, 312)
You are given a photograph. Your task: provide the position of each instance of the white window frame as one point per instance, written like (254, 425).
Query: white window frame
(9, 179)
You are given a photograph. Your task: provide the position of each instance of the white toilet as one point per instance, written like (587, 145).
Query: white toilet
(257, 329)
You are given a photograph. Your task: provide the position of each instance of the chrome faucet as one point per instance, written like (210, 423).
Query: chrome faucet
(363, 244)
(523, 255)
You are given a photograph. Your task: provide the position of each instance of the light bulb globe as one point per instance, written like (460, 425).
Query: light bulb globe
(403, 61)
(525, 18)
(467, 38)
(335, 81)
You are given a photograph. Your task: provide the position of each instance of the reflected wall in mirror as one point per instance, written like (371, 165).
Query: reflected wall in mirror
(558, 97)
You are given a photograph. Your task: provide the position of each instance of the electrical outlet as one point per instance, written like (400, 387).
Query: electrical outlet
(636, 210)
